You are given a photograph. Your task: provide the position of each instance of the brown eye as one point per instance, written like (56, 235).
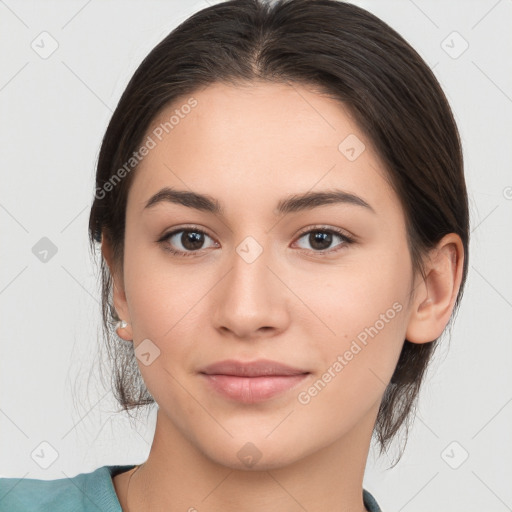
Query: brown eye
(191, 240)
(185, 242)
(321, 240)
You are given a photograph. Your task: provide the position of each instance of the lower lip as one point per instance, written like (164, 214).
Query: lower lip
(253, 389)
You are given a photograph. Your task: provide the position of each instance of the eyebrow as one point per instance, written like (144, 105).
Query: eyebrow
(293, 203)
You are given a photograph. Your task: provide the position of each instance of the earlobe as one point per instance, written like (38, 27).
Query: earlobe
(123, 330)
(123, 327)
(435, 296)
(118, 293)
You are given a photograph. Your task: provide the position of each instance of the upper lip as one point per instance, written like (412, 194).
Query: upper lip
(259, 368)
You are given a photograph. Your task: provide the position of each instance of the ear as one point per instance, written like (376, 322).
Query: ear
(434, 296)
(118, 294)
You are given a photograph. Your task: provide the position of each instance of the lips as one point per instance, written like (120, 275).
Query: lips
(251, 382)
(259, 368)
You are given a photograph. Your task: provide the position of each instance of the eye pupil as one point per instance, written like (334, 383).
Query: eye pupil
(192, 240)
(320, 239)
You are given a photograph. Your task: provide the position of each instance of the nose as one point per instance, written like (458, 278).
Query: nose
(251, 301)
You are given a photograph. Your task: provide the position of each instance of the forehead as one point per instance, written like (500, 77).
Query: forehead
(259, 138)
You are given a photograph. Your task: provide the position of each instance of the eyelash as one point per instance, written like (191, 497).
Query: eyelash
(346, 240)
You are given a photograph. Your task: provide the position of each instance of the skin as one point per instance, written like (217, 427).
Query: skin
(291, 304)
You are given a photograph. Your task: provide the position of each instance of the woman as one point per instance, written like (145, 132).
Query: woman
(283, 220)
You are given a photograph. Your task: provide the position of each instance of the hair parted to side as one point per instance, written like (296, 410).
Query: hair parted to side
(342, 51)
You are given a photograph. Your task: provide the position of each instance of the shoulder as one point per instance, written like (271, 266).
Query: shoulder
(370, 503)
(85, 492)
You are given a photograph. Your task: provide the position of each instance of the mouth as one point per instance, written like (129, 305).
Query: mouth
(259, 368)
(251, 382)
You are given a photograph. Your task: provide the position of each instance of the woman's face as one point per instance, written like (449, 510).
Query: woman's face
(271, 278)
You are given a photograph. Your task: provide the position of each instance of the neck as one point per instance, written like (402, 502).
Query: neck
(178, 476)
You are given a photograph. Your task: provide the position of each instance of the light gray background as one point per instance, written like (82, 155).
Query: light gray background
(54, 112)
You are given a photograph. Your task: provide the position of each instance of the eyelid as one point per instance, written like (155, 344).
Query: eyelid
(185, 227)
(325, 227)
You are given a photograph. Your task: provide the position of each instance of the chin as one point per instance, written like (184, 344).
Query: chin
(258, 455)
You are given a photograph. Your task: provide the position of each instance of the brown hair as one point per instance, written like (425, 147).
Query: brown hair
(342, 51)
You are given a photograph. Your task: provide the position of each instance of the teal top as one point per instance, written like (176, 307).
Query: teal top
(86, 492)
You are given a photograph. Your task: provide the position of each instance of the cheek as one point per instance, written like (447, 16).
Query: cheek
(169, 306)
(165, 307)
(161, 297)
(363, 311)
(367, 314)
